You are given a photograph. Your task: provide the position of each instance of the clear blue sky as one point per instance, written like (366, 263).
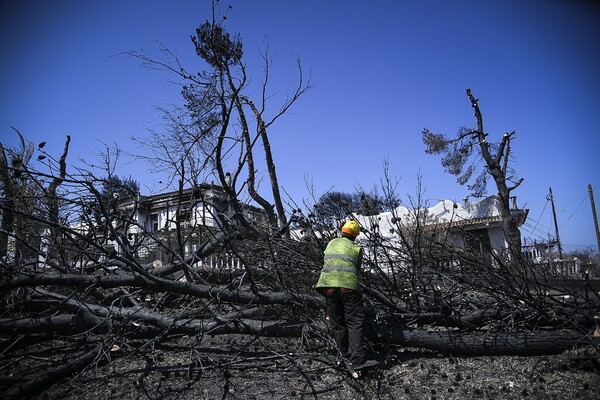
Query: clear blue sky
(382, 70)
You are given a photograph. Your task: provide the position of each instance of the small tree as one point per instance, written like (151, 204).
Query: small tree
(335, 206)
(462, 155)
(332, 207)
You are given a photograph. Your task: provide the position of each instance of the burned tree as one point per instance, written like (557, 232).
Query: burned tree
(16, 188)
(461, 157)
(221, 129)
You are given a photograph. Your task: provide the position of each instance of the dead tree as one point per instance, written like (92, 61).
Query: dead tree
(459, 159)
(15, 185)
(216, 102)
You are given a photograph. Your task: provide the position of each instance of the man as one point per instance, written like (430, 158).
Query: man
(339, 282)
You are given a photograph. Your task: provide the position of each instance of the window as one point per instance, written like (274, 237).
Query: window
(478, 241)
(154, 223)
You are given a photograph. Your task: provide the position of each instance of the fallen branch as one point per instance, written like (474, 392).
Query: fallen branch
(51, 376)
(164, 285)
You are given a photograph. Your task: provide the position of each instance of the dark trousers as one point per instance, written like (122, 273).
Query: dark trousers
(347, 321)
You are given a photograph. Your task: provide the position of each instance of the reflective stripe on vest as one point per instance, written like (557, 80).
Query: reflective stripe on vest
(340, 266)
(329, 268)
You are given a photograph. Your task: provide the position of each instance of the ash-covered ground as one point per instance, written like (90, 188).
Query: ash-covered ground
(240, 367)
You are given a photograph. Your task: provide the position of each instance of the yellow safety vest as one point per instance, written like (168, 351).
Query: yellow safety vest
(340, 269)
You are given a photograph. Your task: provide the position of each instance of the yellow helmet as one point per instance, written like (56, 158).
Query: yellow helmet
(351, 228)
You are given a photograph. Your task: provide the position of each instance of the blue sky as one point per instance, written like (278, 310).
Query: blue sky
(382, 71)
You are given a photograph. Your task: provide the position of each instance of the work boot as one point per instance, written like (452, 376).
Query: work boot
(368, 363)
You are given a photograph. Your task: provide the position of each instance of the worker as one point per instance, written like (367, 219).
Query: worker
(339, 282)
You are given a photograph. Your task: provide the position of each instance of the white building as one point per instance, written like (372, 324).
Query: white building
(472, 224)
(476, 226)
(193, 214)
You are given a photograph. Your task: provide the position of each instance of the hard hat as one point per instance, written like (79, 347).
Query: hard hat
(351, 228)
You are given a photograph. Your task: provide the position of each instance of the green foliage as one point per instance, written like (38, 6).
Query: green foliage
(220, 51)
(436, 142)
(333, 207)
(336, 206)
(216, 46)
(461, 157)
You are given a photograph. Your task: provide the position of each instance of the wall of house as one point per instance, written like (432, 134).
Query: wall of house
(204, 215)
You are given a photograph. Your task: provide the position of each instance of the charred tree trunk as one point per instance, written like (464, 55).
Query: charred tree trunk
(484, 343)
(446, 342)
(497, 167)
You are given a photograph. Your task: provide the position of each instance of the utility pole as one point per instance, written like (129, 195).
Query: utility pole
(556, 225)
(594, 215)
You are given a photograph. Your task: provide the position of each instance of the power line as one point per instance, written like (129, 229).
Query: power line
(539, 235)
(541, 214)
(582, 200)
(534, 229)
(538, 227)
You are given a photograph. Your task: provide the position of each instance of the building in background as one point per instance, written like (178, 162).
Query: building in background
(174, 224)
(474, 225)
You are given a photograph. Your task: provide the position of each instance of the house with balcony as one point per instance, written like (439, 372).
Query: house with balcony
(176, 223)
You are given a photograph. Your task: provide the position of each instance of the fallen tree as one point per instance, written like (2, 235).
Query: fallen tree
(71, 316)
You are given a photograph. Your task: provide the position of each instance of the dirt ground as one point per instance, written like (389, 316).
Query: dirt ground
(239, 367)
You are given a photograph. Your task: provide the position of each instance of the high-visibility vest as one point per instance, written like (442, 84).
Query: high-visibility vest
(340, 269)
